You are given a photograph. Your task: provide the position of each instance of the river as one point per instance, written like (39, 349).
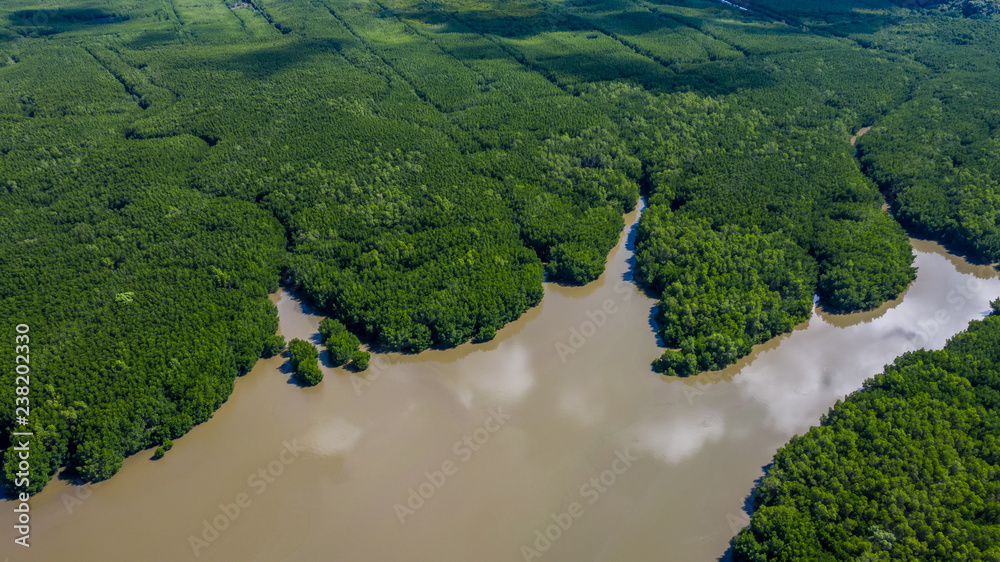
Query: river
(728, 3)
(569, 433)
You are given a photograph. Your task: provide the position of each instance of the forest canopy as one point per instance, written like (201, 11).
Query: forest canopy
(419, 170)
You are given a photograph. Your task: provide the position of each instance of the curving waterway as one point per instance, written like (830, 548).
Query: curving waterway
(558, 427)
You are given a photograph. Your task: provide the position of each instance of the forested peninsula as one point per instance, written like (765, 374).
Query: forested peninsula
(418, 170)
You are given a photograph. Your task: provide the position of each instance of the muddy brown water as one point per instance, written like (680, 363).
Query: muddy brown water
(860, 132)
(569, 434)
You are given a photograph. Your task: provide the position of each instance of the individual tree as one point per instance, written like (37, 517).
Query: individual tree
(162, 450)
(485, 334)
(305, 362)
(301, 350)
(309, 373)
(340, 343)
(273, 345)
(360, 360)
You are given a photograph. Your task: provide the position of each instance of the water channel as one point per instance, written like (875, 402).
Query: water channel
(556, 427)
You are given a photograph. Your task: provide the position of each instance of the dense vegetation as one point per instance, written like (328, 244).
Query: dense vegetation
(418, 169)
(273, 345)
(342, 345)
(904, 469)
(741, 233)
(938, 155)
(718, 300)
(304, 358)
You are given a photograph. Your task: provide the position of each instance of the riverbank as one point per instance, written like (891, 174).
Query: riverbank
(573, 376)
(860, 132)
